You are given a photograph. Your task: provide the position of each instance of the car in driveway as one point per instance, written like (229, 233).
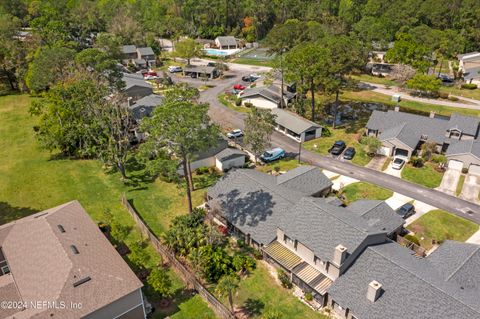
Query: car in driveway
(398, 163)
(272, 155)
(338, 147)
(250, 78)
(174, 69)
(239, 87)
(349, 153)
(406, 210)
(235, 133)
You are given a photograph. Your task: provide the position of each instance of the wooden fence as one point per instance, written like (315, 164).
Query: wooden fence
(420, 251)
(220, 309)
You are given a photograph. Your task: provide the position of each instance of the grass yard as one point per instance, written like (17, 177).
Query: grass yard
(461, 181)
(284, 165)
(441, 225)
(260, 293)
(373, 79)
(425, 175)
(471, 94)
(250, 61)
(323, 144)
(224, 99)
(31, 181)
(369, 96)
(362, 190)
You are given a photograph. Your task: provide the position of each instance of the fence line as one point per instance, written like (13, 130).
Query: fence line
(220, 309)
(420, 251)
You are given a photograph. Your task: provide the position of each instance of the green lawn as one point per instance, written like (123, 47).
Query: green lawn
(362, 190)
(425, 175)
(369, 96)
(461, 181)
(441, 225)
(373, 79)
(471, 94)
(31, 181)
(250, 61)
(323, 144)
(283, 165)
(260, 293)
(224, 99)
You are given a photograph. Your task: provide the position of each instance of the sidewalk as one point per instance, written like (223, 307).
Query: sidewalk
(475, 239)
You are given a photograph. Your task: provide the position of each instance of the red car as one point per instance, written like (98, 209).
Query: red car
(239, 87)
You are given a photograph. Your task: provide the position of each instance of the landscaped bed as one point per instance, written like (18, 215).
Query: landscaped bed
(427, 175)
(362, 190)
(440, 225)
(229, 101)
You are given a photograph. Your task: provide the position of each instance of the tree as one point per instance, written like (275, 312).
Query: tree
(104, 65)
(187, 49)
(401, 73)
(227, 285)
(428, 149)
(428, 85)
(11, 50)
(160, 282)
(373, 144)
(406, 51)
(181, 126)
(259, 126)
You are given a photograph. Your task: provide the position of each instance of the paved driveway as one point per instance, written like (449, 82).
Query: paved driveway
(471, 188)
(343, 181)
(377, 162)
(398, 200)
(449, 181)
(394, 172)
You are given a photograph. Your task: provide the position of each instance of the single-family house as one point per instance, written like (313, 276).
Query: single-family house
(129, 53)
(199, 71)
(468, 60)
(293, 125)
(403, 133)
(143, 108)
(266, 97)
(472, 75)
(226, 43)
(377, 56)
(382, 69)
(147, 54)
(136, 87)
(59, 256)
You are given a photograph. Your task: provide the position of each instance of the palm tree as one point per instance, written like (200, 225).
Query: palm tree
(226, 287)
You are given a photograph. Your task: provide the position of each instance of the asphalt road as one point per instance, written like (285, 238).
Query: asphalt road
(230, 119)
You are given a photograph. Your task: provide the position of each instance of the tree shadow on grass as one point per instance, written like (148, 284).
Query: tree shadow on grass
(252, 307)
(9, 213)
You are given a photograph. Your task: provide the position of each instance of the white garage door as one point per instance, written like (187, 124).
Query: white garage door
(384, 151)
(456, 165)
(474, 169)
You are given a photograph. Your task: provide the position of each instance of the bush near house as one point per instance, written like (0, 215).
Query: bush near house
(469, 86)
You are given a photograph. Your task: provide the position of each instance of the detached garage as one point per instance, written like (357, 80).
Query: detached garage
(466, 152)
(295, 126)
(228, 158)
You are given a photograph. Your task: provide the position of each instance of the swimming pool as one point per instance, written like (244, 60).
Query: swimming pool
(220, 52)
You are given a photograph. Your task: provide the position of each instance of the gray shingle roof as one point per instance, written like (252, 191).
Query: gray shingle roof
(227, 40)
(272, 93)
(293, 122)
(471, 73)
(129, 49)
(230, 153)
(306, 179)
(132, 80)
(378, 214)
(467, 124)
(458, 262)
(145, 106)
(411, 287)
(199, 69)
(253, 202)
(403, 133)
(221, 145)
(464, 147)
(321, 227)
(145, 51)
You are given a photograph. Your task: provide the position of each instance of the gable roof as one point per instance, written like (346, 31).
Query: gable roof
(306, 179)
(321, 227)
(272, 93)
(293, 122)
(378, 214)
(230, 153)
(145, 106)
(129, 49)
(227, 40)
(199, 69)
(44, 266)
(464, 147)
(467, 124)
(410, 285)
(145, 51)
(402, 133)
(132, 80)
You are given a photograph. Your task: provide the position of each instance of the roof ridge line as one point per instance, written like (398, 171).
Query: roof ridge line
(426, 281)
(312, 168)
(266, 186)
(464, 262)
(369, 210)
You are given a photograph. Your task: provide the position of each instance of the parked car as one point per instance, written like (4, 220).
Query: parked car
(272, 155)
(406, 210)
(250, 77)
(235, 133)
(338, 148)
(239, 87)
(398, 163)
(212, 64)
(175, 69)
(349, 153)
(150, 75)
(445, 78)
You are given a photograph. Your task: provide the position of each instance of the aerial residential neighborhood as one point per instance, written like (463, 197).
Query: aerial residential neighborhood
(219, 160)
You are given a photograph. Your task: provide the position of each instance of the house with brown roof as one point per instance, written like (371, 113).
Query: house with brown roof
(59, 265)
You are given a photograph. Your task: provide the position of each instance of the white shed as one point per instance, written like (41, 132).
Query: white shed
(228, 158)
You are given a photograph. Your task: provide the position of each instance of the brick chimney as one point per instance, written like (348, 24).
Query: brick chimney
(374, 291)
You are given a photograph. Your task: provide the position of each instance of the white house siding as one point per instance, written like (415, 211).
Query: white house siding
(260, 102)
(227, 164)
(466, 159)
(385, 150)
(206, 162)
(127, 307)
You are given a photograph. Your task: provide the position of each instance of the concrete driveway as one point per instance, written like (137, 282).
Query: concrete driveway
(398, 200)
(343, 181)
(449, 181)
(394, 172)
(377, 162)
(471, 188)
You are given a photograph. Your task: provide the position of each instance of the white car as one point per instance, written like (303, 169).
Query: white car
(235, 133)
(174, 69)
(398, 163)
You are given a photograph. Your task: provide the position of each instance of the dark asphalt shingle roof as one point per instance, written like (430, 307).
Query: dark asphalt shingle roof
(321, 227)
(132, 80)
(145, 51)
(464, 147)
(129, 49)
(402, 133)
(199, 69)
(411, 287)
(467, 124)
(306, 179)
(230, 153)
(145, 106)
(293, 122)
(272, 93)
(378, 214)
(221, 145)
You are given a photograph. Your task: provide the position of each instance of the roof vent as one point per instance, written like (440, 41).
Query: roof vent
(61, 229)
(374, 291)
(81, 281)
(74, 249)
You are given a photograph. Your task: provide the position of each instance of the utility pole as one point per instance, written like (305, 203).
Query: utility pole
(281, 88)
(299, 149)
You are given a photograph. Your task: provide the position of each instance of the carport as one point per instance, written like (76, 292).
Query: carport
(296, 127)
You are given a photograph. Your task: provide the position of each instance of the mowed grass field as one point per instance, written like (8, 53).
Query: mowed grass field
(362, 190)
(31, 181)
